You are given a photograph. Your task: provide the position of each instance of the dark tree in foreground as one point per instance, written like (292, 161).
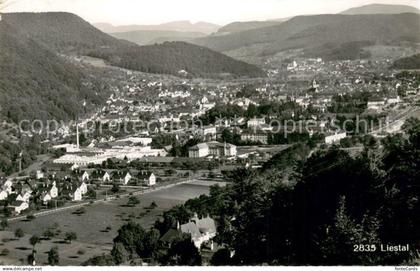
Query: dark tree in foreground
(183, 252)
(53, 256)
(221, 258)
(48, 234)
(133, 201)
(103, 260)
(34, 240)
(4, 224)
(136, 241)
(119, 254)
(19, 233)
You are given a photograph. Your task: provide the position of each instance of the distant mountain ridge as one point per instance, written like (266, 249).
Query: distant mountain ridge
(244, 26)
(181, 26)
(65, 32)
(146, 37)
(320, 35)
(381, 9)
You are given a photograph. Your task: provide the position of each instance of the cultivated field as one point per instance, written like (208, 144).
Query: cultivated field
(93, 237)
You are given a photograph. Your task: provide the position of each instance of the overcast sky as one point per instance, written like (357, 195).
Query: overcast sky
(121, 12)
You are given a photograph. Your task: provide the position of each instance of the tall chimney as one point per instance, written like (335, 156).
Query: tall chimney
(77, 136)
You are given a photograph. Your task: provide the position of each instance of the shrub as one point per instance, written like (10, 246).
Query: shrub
(19, 233)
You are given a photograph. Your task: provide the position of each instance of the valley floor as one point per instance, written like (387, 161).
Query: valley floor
(93, 237)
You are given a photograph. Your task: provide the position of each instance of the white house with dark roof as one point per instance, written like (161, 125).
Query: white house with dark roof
(74, 167)
(106, 177)
(76, 194)
(24, 195)
(18, 206)
(198, 151)
(83, 188)
(85, 176)
(39, 174)
(6, 189)
(150, 179)
(3, 194)
(49, 193)
(201, 230)
(45, 197)
(127, 178)
(213, 148)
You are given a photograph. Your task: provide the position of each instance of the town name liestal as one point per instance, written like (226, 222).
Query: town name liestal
(395, 248)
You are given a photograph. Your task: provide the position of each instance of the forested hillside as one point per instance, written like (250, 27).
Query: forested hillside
(173, 57)
(145, 37)
(407, 63)
(327, 36)
(37, 84)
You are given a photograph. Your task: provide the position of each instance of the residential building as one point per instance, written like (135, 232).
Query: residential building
(127, 178)
(24, 195)
(75, 194)
(150, 179)
(375, 104)
(85, 176)
(256, 122)
(213, 148)
(198, 151)
(257, 137)
(39, 174)
(336, 137)
(18, 206)
(201, 230)
(106, 178)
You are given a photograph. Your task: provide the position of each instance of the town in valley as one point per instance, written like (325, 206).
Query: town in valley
(291, 160)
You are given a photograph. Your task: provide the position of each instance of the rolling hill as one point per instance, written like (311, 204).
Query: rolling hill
(320, 35)
(407, 63)
(173, 57)
(244, 26)
(181, 26)
(61, 31)
(381, 9)
(37, 84)
(68, 33)
(145, 37)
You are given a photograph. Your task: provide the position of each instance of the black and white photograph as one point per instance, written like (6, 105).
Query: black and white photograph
(254, 134)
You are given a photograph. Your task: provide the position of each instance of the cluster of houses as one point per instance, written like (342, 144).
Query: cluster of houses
(107, 176)
(71, 185)
(147, 178)
(18, 194)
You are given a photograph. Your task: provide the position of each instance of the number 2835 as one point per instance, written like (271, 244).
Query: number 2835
(364, 248)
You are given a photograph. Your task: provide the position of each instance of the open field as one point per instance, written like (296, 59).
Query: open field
(90, 227)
